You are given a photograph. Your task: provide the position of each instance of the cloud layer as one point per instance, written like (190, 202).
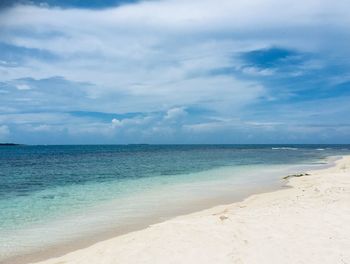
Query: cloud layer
(176, 72)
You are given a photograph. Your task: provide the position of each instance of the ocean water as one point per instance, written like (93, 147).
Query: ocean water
(52, 195)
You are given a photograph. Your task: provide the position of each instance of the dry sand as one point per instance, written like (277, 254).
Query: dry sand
(308, 223)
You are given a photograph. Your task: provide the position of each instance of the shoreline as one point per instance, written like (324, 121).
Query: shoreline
(49, 257)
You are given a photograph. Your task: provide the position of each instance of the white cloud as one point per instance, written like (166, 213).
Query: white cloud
(162, 51)
(175, 113)
(257, 71)
(116, 123)
(23, 87)
(131, 122)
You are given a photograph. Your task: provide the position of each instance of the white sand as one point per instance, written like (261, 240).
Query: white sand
(308, 223)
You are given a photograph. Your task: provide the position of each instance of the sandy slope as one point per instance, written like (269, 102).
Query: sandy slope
(309, 223)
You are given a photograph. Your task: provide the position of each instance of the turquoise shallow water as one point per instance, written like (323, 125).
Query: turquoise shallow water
(56, 194)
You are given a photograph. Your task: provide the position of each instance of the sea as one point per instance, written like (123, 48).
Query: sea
(54, 196)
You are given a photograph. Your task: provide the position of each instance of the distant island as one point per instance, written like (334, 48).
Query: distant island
(9, 144)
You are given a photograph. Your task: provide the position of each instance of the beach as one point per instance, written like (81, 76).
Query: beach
(174, 131)
(304, 222)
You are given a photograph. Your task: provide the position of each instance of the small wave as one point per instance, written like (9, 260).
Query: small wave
(285, 148)
(320, 149)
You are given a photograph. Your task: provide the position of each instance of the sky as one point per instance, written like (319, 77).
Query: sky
(174, 71)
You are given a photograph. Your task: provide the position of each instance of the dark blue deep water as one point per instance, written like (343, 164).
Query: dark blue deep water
(27, 169)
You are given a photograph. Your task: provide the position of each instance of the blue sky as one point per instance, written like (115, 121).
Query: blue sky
(174, 71)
